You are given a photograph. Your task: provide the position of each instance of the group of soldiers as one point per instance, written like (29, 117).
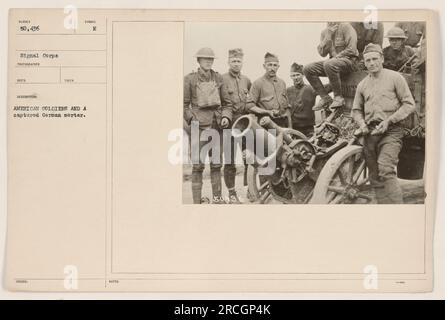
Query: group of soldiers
(381, 101)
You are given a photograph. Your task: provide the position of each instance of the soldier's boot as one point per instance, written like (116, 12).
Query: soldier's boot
(245, 174)
(323, 103)
(205, 200)
(218, 200)
(233, 197)
(196, 192)
(250, 196)
(197, 184)
(380, 192)
(393, 190)
(338, 102)
(215, 179)
(229, 180)
(229, 176)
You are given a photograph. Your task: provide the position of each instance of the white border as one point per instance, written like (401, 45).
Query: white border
(439, 241)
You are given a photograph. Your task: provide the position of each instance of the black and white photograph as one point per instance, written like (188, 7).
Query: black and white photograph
(120, 122)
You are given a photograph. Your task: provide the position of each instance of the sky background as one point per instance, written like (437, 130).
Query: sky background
(292, 42)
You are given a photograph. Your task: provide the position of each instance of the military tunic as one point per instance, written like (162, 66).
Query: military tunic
(302, 99)
(205, 107)
(205, 100)
(270, 93)
(238, 87)
(379, 98)
(395, 59)
(384, 96)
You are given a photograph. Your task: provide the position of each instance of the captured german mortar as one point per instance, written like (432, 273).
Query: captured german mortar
(295, 160)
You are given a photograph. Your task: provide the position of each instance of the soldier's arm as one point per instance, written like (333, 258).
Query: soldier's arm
(255, 92)
(309, 97)
(325, 46)
(406, 99)
(351, 42)
(249, 84)
(252, 107)
(226, 102)
(423, 29)
(260, 111)
(249, 100)
(187, 99)
(413, 57)
(358, 108)
(420, 56)
(286, 97)
(287, 107)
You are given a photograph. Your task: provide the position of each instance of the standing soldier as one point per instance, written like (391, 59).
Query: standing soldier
(238, 86)
(381, 101)
(269, 93)
(397, 53)
(205, 103)
(339, 41)
(301, 98)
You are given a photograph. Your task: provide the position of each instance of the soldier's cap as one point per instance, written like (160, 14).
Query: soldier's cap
(270, 57)
(237, 52)
(295, 67)
(371, 47)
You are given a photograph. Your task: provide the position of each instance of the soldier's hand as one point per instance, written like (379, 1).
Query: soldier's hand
(274, 113)
(382, 127)
(225, 123)
(362, 131)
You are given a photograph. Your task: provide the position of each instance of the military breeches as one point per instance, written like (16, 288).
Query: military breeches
(332, 69)
(231, 158)
(382, 155)
(208, 144)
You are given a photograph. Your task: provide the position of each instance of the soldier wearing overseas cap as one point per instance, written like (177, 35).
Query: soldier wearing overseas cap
(238, 86)
(397, 53)
(301, 99)
(269, 93)
(206, 102)
(339, 42)
(381, 101)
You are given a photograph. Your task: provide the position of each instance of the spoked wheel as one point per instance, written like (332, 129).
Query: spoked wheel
(343, 179)
(259, 186)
